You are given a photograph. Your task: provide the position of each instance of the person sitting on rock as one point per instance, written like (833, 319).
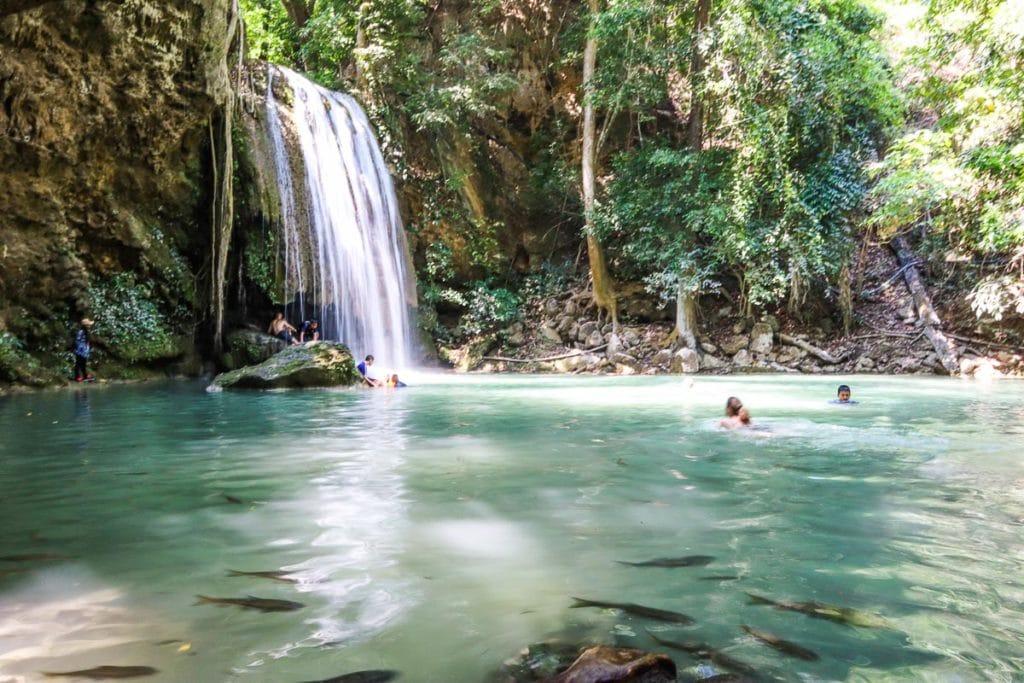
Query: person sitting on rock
(81, 349)
(280, 328)
(736, 416)
(365, 369)
(843, 396)
(310, 331)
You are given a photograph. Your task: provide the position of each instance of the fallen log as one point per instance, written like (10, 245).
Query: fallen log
(992, 344)
(548, 359)
(821, 354)
(945, 349)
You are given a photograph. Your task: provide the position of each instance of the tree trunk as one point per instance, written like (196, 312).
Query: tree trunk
(603, 287)
(695, 128)
(223, 207)
(945, 349)
(300, 11)
(686, 304)
(686, 315)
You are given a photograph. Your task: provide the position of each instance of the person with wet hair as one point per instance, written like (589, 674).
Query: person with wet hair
(843, 394)
(736, 416)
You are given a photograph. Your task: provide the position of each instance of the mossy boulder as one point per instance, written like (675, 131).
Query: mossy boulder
(249, 346)
(317, 364)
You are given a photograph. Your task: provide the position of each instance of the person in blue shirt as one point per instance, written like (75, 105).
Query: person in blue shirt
(81, 349)
(364, 370)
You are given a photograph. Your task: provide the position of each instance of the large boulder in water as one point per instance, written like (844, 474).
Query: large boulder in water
(317, 364)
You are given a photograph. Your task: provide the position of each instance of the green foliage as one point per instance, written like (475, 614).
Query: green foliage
(261, 263)
(487, 308)
(959, 180)
(129, 323)
(18, 366)
(270, 35)
(798, 96)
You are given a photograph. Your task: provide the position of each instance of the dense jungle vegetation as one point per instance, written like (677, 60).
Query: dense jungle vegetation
(742, 144)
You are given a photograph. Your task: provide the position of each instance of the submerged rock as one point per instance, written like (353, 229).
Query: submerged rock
(318, 364)
(604, 664)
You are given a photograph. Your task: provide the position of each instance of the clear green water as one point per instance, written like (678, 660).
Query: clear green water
(439, 529)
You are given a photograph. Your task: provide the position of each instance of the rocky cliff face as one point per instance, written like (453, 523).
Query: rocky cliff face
(104, 123)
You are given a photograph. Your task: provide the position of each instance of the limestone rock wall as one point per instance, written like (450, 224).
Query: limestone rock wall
(104, 111)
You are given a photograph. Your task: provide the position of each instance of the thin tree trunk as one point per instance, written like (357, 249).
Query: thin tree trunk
(603, 287)
(300, 11)
(695, 128)
(686, 315)
(223, 209)
(686, 304)
(945, 349)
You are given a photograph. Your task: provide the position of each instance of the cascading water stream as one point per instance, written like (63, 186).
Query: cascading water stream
(345, 253)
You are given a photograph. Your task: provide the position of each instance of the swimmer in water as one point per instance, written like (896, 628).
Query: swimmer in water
(843, 396)
(736, 416)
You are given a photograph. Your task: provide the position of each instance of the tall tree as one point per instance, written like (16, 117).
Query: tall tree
(686, 300)
(602, 284)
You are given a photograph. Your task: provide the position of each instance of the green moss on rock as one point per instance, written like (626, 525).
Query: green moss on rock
(318, 364)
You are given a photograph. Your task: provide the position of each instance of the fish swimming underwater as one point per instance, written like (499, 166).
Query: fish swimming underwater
(688, 561)
(784, 646)
(103, 672)
(373, 676)
(34, 557)
(818, 610)
(251, 602)
(705, 651)
(635, 610)
(274, 575)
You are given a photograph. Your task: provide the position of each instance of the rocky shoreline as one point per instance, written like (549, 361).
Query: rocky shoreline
(564, 337)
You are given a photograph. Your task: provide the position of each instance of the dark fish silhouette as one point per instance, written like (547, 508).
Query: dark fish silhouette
(34, 557)
(729, 678)
(723, 577)
(688, 561)
(784, 646)
(636, 610)
(275, 575)
(818, 610)
(250, 602)
(232, 499)
(101, 672)
(360, 677)
(705, 651)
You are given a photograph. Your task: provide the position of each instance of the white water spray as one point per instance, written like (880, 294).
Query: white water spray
(348, 266)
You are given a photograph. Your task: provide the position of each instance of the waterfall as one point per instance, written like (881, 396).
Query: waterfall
(344, 246)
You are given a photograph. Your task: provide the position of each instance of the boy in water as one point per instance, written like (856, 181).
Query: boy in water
(843, 395)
